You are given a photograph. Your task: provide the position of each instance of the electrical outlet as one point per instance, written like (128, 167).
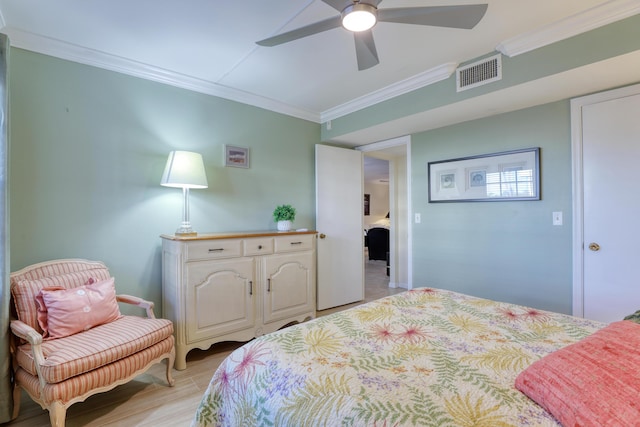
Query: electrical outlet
(418, 218)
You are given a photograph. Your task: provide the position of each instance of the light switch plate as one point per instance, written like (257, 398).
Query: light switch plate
(418, 218)
(557, 218)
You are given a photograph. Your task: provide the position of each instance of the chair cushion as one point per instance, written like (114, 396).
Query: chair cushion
(64, 312)
(73, 355)
(25, 290)
(106, 376)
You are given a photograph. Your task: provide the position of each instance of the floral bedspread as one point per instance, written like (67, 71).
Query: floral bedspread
(425, 357)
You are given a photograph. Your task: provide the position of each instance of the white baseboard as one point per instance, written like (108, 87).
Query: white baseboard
(399, 285)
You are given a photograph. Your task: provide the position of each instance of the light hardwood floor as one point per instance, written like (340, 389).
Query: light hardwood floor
(149, 401)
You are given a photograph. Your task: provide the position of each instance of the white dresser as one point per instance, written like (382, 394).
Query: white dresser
(234, 287)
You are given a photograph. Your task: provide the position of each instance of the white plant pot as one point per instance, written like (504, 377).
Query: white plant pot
(284, 225)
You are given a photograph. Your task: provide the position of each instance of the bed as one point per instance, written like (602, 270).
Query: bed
(425, 357)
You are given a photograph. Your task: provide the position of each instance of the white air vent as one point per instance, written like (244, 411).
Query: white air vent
(479, 73)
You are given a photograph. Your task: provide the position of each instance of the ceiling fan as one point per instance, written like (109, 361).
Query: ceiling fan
(359, 16)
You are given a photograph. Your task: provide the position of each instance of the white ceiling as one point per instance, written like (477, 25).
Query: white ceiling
(376, 171)
(209, 45)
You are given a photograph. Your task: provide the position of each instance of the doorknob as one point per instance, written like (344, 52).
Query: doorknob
(594, 246)
(322, 235)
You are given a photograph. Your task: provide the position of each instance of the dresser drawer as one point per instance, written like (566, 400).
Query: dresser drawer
(259, 246)
(298, 242)
(214, 249)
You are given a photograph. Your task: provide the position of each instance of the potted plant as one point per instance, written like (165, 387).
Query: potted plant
(284, 215)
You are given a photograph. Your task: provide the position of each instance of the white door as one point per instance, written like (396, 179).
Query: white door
(611, 208)
(339, 221)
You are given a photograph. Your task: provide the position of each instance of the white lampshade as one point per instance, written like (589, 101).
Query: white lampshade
(185, 169)
(359, 17)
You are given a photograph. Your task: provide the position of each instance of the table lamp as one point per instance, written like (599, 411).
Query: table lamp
(185, 169)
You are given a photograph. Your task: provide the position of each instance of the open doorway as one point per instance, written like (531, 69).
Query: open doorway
(386, 180)
(377, 227)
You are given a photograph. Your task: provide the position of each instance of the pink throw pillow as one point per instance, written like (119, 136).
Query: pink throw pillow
(69, 311)
(42, 309)
(594, 382)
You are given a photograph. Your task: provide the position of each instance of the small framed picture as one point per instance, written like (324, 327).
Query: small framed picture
(237, 157)
(477, 178)
(448, 181)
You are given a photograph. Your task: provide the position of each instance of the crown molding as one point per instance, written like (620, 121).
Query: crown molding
(595, 17)
(71, 52)
(441, 72)
(588, 20)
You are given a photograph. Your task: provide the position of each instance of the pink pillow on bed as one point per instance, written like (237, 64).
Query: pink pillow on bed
(594, 382)
(64, 312)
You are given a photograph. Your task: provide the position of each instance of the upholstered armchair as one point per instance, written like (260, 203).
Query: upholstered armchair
(378, 242)
(70, 340)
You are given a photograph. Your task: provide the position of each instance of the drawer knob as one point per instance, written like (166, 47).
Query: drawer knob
(259, 246)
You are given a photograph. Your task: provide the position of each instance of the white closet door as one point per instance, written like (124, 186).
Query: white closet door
(611, 213)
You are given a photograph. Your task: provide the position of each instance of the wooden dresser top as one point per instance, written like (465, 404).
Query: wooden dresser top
(234, 235)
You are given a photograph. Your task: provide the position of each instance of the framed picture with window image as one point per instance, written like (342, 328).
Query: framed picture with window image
(508, 175)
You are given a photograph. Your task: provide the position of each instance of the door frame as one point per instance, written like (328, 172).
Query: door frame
(380, 147)
(578, 190)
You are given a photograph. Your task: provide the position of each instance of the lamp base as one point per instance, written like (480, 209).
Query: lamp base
(185, 230)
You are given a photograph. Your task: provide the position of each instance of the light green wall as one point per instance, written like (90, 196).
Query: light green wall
(596, 45)
(88, 148)
(508, 251)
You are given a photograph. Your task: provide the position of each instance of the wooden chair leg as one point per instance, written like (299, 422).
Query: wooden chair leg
(170, 361)
(57, 414)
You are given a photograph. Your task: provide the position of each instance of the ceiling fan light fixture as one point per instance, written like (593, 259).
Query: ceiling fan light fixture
(359, 17)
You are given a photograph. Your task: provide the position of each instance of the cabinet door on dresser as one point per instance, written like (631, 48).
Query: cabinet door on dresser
(220, 297)
(290, 285)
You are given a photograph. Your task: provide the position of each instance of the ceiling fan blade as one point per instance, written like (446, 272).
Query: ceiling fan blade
(463, 16)
(338, 5)
(318, 27)
(365, 50)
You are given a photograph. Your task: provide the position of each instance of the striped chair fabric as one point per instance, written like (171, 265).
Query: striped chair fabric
(24, 291)
(93, 361)
(112, 374)
(76, 354)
